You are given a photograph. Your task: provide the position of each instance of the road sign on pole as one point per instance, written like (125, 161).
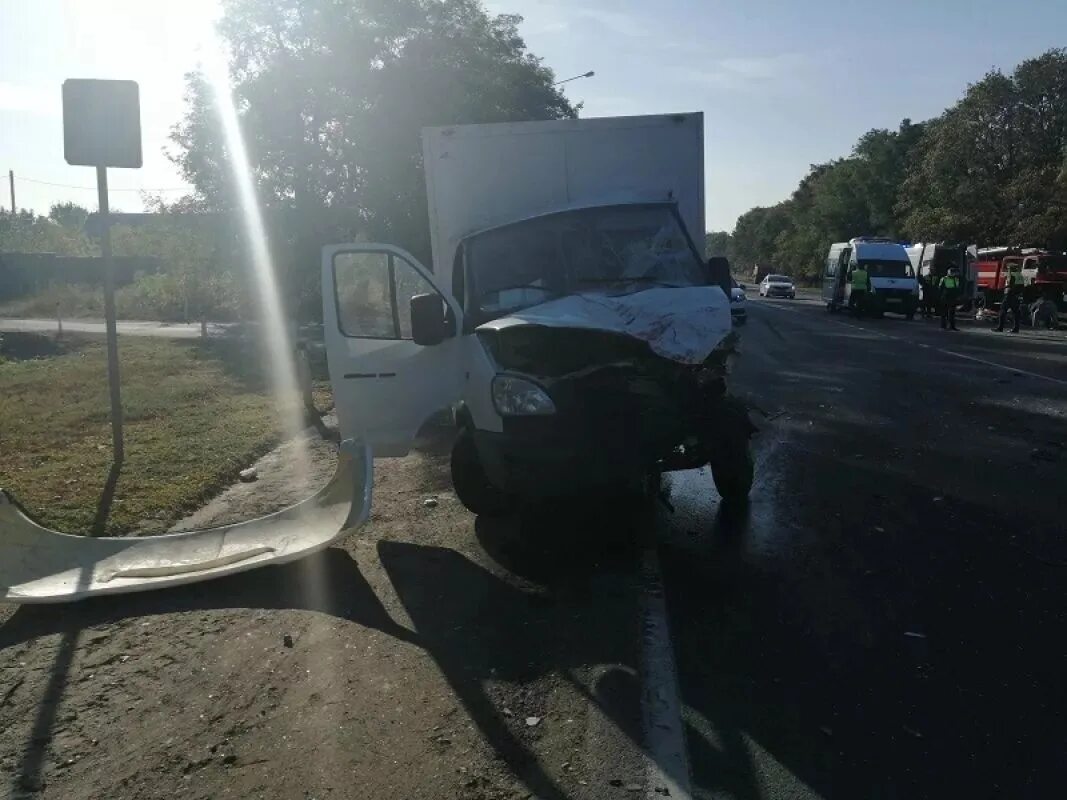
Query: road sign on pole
(102, 128)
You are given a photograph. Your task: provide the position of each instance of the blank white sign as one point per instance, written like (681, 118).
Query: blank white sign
(101, 123)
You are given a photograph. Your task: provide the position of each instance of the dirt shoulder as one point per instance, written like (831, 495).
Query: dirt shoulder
(431, 655)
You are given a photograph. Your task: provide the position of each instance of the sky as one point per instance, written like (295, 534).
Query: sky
(783, 84)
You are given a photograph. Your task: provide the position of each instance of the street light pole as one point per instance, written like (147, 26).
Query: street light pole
(588, 74)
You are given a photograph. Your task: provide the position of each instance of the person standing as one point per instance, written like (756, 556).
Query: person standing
(860, 282)
(948, 291)
(1013, 295)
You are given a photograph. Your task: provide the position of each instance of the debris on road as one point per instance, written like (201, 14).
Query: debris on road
(914, 635)
(1044, 454)
(429, 502)
(287, 640)
(248, 475)
(533, 722)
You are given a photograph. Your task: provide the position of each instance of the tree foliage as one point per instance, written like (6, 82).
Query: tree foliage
(992, 169)
(26, 232)
(332, 98)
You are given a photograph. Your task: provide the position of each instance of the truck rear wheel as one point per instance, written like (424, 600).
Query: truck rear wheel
(473, 488)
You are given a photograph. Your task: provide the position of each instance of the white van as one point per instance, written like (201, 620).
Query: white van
(569, 321)
(886, 261)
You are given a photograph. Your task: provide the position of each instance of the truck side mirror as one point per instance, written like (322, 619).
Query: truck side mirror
(428, 323)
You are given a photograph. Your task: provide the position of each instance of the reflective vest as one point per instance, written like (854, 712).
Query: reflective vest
(950, 283)
(859, 279)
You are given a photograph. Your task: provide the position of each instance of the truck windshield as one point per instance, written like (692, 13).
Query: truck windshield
(881, 268)
(618, 247)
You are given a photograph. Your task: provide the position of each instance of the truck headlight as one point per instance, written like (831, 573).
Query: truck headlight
(514, 396)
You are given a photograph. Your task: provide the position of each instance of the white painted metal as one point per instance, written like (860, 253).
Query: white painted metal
(481, 176)
(39, 565)
(385, 389)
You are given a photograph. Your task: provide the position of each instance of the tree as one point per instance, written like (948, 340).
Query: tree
(332, 98)
(989, 169)
(717, 243)
(69, 215)
(26, 232)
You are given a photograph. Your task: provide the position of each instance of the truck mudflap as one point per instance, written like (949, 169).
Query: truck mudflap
(38, 565)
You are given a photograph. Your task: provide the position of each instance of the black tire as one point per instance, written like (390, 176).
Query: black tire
(732, 467)
(473, 487)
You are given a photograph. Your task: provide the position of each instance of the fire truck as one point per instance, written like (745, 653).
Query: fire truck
(1044, 273)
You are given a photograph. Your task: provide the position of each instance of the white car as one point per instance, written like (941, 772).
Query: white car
(778, 286)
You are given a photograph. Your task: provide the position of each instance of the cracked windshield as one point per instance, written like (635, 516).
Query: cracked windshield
(532, 400)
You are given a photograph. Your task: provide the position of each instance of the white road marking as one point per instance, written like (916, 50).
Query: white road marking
(661, 708)
(964, 356)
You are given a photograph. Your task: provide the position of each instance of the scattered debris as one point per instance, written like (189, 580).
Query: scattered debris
(912, 732)
(1044, 454)
(248, 475)
(429, 502)
(879, 528)
(634, 787)
(663, 790)
(533, 722)
(507, 712)
(938, 499)
(615, 782)
(287, 640)
(914, 635)
(827, 731)
(229, 758)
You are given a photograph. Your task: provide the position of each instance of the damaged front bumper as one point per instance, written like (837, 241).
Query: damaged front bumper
(621, 413)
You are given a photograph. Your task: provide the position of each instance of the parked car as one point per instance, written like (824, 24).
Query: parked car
(738, 309)
(778, 286)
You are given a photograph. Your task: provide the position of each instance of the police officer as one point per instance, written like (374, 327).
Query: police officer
(948, 290)
(1012, 297)
(861, 289)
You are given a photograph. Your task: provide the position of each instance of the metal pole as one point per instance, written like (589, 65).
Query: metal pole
(109, 317)
(11, 183)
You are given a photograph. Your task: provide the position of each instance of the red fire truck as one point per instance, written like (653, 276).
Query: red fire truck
(1044, 273)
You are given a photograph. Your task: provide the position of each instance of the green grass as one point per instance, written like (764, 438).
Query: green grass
(196, 414)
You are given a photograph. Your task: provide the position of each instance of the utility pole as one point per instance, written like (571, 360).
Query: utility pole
(11, 183)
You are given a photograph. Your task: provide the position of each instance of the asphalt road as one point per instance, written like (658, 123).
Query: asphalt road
(168, 330)
(887, 619)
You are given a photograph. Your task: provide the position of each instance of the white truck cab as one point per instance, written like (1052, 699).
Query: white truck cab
(569, 321)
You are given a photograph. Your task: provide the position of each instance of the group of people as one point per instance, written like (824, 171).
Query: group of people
(944, 294)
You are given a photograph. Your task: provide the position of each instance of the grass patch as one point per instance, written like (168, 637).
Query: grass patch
(195, 414)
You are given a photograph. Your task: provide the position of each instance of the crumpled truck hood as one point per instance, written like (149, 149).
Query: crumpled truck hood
(683, 325)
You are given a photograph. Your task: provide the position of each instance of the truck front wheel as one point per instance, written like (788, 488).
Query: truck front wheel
(473, 488)
(731, 463)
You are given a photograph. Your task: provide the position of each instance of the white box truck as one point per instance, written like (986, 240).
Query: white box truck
(569, 321)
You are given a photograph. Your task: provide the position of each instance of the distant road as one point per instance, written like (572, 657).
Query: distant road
(169, 330)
